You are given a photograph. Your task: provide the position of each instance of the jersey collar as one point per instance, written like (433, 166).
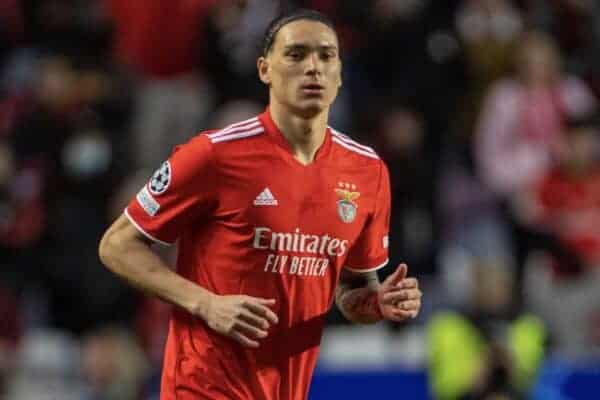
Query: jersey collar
(275, 134)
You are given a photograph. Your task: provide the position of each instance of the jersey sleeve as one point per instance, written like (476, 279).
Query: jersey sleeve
(370, 251)
(180, 191)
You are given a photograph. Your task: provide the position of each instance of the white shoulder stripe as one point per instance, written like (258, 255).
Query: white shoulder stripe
(368, 269)
(349, 140)
(247, 121)
(238, 135)
(142, 231)
(354, 148)
(236, 128)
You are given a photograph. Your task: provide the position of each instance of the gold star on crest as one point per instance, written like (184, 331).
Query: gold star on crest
(347, 195)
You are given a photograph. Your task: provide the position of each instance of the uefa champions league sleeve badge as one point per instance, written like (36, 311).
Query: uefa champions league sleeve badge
(159, 183)
(346, 206)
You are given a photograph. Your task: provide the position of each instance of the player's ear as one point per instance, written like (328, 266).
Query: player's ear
(262, 64)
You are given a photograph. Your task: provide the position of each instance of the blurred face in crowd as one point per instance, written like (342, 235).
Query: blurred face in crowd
(57, 84)
(402, 132)
(538, 60)
(99, 360)
(582, 150)
(303, 67)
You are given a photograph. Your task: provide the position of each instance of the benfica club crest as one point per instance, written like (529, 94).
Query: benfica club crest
(346, 206)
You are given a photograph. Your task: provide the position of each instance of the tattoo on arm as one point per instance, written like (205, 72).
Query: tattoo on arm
(356, 296)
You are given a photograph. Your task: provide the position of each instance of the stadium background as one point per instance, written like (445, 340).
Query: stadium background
(474, 104)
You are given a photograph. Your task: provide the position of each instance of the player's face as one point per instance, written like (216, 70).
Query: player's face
(303, 68)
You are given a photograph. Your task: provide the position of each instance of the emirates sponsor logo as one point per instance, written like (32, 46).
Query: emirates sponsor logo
(315, 250)
(298, 242)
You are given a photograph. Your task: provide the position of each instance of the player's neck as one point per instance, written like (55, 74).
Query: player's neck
(305, 135)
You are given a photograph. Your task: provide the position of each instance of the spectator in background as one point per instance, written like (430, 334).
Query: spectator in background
(21, 208)
(564, 206)
(401, 137)
(484, 358)
(519, 132)
(47, 368)
(113, 365)
(520, 135)
(158, 43)
(232, 31)
(64, 169)
(489, 31)
(566, 199)
(22, 218)
(576, 26)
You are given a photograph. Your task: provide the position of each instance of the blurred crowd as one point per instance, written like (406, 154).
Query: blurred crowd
(485, 111)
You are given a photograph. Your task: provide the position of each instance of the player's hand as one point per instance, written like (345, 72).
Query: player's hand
(244, 319)
(399, 297)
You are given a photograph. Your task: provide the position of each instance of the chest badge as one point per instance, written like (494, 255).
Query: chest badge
(346, 206)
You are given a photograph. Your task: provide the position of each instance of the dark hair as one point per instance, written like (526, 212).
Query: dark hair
(586, 120)
(284, 19)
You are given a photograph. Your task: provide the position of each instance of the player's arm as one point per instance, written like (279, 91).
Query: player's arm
(127, 253)
(356, 296)
(363, 300)
(161, 210)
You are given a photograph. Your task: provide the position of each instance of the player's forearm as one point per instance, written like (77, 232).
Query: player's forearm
(356, 297)
(135, 262)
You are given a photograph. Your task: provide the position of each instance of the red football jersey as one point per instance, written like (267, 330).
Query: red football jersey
(250, 219)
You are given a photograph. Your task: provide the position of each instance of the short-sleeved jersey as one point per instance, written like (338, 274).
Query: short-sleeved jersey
(250, 219)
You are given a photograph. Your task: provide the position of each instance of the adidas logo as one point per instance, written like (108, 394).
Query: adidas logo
(265, 198)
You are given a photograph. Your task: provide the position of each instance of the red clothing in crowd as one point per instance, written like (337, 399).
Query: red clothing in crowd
(159, 38)
(571, 207)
